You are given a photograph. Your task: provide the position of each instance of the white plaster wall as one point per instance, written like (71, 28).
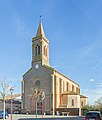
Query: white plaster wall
(76, 99)
(57, 92)
(84, 100)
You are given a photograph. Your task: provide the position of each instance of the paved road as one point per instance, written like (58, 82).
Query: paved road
(33, 117)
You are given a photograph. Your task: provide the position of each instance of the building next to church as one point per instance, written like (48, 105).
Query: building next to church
(44, 89)
(16, 103)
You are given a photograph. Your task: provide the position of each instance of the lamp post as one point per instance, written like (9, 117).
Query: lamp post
(36, 103)
(43, 97)
(11, 91)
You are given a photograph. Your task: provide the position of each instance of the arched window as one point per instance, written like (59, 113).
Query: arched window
(82, 104)
(44, 50)
(37, 50)
(67, 86)
(73, 88)
(72, 102)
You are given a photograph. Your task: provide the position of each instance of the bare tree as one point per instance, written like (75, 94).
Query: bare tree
(4, 89)
(98, 103)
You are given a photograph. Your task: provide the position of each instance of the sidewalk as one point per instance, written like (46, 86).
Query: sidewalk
(18, 116)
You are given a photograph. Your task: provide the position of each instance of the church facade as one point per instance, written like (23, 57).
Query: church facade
(44, 89)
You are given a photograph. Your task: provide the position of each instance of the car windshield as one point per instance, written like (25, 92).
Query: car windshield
(92, 115)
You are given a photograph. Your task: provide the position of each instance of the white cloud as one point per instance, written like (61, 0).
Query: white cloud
(92, 80)
(99, 85)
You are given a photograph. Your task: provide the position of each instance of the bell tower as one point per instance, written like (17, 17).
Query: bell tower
(40, 47)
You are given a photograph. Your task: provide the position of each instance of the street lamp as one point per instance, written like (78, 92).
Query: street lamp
(43, 97)
(36, 102)
(11, 91)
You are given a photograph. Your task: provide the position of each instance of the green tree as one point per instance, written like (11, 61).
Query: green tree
(87, 108)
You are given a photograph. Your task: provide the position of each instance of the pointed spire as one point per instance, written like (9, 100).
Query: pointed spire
(40, 30)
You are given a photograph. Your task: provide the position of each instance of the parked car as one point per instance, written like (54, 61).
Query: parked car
(1, 114)
(93, 115)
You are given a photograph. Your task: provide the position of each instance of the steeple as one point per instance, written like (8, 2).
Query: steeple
(40, 47)
(40, 30)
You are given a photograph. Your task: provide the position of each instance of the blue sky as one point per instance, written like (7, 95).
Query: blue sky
(74, 30)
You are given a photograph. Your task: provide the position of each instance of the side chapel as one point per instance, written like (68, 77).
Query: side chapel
(44, 89)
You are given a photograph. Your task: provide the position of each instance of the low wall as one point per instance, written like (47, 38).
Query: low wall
(72, 111)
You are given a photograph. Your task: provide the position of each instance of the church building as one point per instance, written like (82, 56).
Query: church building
(46, 90)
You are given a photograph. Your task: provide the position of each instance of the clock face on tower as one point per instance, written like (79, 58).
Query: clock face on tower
(36, 66)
